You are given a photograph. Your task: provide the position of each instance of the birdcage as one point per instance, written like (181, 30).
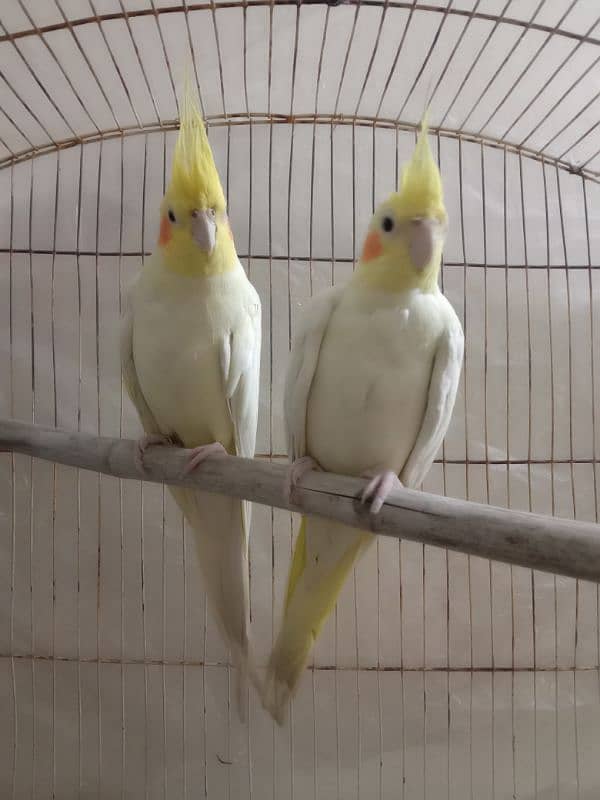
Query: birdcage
(440, 674)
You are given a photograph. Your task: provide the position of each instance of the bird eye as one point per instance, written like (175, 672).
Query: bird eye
(171, 216)
(387, 223)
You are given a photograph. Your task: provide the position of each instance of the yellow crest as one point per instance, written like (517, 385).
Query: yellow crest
(194, 177)
(420, 191)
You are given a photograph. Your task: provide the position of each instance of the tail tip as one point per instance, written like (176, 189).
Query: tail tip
(276, 698)
(247, 675)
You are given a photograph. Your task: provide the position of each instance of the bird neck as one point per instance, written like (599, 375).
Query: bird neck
(390, 274)
(186, 259)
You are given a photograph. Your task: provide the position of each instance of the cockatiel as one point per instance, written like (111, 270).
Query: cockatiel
(190, 350)
(370, 389)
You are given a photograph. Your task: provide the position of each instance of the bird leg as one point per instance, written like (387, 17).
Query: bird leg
(144, 442)
(201, 453)
(379, 487)
(296, 472)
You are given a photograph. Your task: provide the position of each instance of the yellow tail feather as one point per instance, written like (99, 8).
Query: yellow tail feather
(318, 572)
(298, 563)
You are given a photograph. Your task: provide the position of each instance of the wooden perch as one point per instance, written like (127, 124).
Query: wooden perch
(555, 545)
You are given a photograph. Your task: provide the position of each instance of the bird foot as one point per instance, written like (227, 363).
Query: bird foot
(378, 488)
(144, 442)
(296, 472)
(201, 453)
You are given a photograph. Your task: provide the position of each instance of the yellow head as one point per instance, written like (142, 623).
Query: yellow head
(403, 248)
(195, 237)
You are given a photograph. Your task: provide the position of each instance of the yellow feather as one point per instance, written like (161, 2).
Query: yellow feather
(298, 563)
(195, 184)
(421, 192)
(309, 601)
(194, 177)
(420, 195)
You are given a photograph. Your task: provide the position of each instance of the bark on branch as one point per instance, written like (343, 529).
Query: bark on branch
(554, 545)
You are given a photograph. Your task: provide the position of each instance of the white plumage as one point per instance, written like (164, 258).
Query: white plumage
(191, 353)
(370, 389)
(364, 400)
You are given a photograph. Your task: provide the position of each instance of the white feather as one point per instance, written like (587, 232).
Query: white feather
(445, 377)
(369, 391)
(370, 387)
(191, 354)
(303, 362)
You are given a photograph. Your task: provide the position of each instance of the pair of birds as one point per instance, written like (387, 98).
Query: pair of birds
(370, 387)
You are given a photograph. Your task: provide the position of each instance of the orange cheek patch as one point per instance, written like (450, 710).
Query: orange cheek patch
(165, 231)
(372, 247)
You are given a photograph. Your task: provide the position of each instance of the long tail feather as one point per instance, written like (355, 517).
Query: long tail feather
(222, 546)
(324, 555)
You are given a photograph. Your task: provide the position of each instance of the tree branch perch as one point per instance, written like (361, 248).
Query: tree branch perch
(554, 545)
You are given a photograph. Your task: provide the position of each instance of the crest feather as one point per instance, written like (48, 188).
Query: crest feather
(421, 191)
(194, 177)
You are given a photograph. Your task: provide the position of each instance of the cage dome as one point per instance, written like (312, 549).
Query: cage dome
(440, 675)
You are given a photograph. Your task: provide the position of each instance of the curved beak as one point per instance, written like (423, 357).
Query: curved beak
(204, 229)
(424, 234)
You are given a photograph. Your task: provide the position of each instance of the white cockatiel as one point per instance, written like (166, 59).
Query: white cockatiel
(190, 349)
(370, 389)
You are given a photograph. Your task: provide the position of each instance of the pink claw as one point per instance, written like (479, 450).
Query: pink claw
(144, 442)
(296, 472)
(201, 453)
(379, 488)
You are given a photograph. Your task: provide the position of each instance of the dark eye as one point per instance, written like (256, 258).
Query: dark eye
(171, 216)
(387, 223)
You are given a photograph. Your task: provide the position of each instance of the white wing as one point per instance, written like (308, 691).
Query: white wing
(443, 386)
(302, 365)
(240, 362)
(129, 373)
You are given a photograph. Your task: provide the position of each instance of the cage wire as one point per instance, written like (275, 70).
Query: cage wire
(439, 675)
